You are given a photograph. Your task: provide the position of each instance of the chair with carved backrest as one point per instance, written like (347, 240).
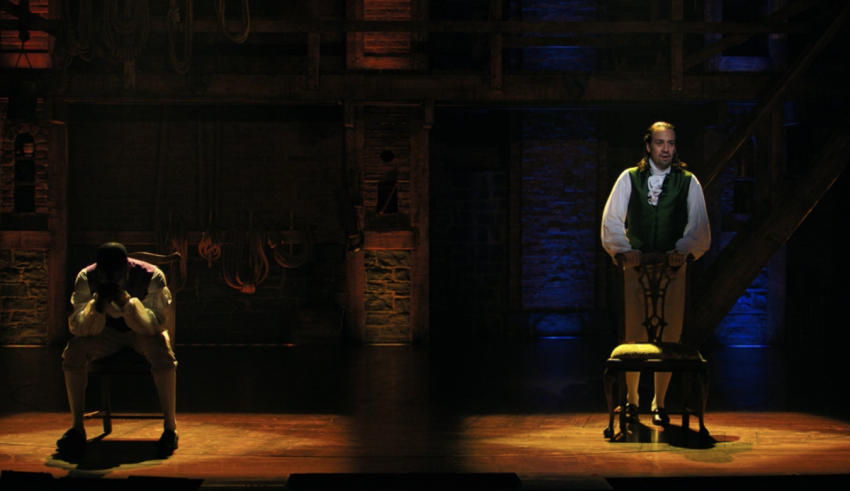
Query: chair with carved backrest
(654, 355)
(128, 361)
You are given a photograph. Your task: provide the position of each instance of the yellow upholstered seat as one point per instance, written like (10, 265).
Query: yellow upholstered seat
(655, 351)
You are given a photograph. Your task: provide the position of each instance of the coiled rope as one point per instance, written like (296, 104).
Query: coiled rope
(171, 236)
(245, 275)
(114, 28)
(78, 40)
(209, 247)
(287, 258)
(173, 20)
(222, 23)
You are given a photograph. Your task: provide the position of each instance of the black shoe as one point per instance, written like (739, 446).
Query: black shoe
(72, 441)
(632, 413)
(659, 417)
(168, 440)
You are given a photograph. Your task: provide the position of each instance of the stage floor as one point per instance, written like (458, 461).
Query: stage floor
(256, 415)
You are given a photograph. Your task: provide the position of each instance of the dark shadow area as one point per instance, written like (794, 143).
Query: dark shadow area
(673, 434)
(105, 455)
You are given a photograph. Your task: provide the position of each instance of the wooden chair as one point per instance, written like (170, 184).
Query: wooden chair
(654, 355)
(128, 361)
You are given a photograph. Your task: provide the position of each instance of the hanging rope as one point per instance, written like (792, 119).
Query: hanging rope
(284, 255)
(240, 274)
(173, 21)
(171, 236)
(78, 40)
(222, 23)
(115, 28)
(209, 246)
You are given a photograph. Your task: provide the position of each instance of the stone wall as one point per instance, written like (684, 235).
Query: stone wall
(23, 297)
(387, 298)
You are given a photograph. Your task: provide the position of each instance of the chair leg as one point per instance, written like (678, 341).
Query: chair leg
(608, 380)
(703, 398)
(623, 392)
(106, 404)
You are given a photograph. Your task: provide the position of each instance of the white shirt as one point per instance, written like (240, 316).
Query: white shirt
(697, 235)
(145, 316)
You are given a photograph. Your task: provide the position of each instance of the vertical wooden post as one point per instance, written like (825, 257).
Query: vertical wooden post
(496, 47)
(676, 48)
(776, 269)
(419, 222)
(129, 65)
(355, 312)
(515, 224)
(354, 40)
(313, 47)
(713, 12)
(603, 303)
(57, 225)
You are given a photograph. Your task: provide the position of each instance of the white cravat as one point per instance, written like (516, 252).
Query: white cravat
(655, 181)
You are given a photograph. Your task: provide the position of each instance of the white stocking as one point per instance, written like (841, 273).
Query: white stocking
(166, 386)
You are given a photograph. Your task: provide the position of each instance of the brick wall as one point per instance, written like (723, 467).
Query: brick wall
(7, 165)
(386, 156)
(239, 162)
(23, 297)
(559, 225)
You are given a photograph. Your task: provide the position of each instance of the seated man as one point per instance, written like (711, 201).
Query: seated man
(119, 302)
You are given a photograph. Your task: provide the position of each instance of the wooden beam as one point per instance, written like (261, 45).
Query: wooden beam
(388, 241)
(420, 222)
(676, 47)
(762, 236)
(355, 310)
(25, 240)
(772, 96)
(727, 42)
(313, 59)
(57, 224)
(286, 26)
(138, 237)
(496, 48)
(555, 89)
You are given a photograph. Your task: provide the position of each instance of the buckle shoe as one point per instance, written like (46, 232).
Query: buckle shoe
(72, 441)
(632, 413)
(168, 440)
(659, 417)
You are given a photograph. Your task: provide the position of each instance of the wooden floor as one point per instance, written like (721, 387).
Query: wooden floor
(254, 416)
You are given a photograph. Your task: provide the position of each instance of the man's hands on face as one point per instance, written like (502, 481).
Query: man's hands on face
(109, 293)
(632, 259)
(674, 259)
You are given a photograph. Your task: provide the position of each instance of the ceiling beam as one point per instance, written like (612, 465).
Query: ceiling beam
(261, 26)
(555, 89)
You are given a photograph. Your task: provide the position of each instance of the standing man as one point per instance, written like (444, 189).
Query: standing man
(119, 302)
(656, 207)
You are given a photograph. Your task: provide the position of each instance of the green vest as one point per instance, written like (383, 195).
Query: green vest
(658, 228)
